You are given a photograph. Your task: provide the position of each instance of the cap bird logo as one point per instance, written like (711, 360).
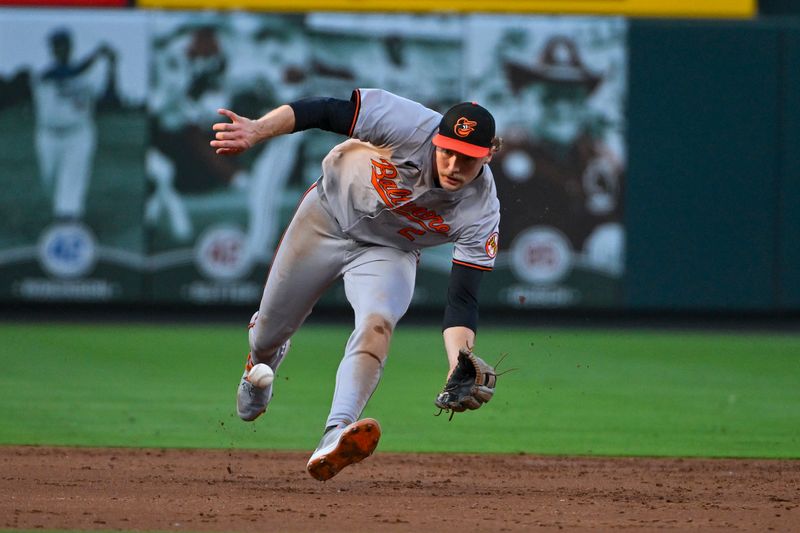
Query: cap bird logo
(464, 126)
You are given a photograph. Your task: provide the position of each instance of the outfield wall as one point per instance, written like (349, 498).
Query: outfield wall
(666, 178)
(714, 182)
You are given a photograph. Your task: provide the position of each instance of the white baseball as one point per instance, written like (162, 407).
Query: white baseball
(261, 376)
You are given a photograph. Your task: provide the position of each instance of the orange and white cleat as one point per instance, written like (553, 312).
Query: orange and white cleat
(343, 446)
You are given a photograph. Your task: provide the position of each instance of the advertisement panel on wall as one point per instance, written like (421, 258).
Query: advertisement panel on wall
(73, 84)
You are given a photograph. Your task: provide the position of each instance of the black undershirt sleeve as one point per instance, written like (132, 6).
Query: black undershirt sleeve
(329, 114)
(462, 298)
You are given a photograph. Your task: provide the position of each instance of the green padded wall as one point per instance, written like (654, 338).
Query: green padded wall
(779, 7)
(789, 214)
(703, 160)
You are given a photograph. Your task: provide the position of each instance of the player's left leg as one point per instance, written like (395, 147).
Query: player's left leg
(72, 180)
(379, 284)
(308, 260)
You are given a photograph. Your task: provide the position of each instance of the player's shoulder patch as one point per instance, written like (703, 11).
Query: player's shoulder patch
(492, 245)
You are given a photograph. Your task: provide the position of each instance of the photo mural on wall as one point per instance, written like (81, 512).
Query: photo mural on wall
(558, 88)
(74, 85)
(159, 217)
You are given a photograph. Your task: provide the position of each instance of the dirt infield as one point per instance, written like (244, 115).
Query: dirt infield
(219, 490)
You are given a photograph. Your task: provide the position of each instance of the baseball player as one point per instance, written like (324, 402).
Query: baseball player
(408, 178)
(65, 95)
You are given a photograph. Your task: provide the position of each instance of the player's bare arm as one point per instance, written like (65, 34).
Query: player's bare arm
(457, 338)
(242, 133)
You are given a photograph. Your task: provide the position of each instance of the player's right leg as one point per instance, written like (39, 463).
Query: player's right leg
(309, 258)
(379, 283)
(342, 446)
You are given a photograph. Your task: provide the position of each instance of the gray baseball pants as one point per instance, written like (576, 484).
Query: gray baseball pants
(378, 281)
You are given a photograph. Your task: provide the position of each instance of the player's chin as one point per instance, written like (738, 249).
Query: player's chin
(450, 184)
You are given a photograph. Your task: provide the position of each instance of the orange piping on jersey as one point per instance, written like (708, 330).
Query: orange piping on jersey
(313, 186)
(471, 265)
(355, 115)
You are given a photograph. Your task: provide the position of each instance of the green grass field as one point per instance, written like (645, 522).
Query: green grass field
(615, 392)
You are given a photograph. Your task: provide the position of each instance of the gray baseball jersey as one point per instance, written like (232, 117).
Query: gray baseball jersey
(380, 185)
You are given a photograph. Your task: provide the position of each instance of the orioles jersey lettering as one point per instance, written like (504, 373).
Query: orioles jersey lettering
(397, 199)
(409, 233)
(429, 220)
(389, 192)
(383, 169)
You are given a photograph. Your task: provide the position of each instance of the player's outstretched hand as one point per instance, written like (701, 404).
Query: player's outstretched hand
(236, 136)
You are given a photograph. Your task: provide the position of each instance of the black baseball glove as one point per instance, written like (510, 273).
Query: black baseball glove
(469, 386)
